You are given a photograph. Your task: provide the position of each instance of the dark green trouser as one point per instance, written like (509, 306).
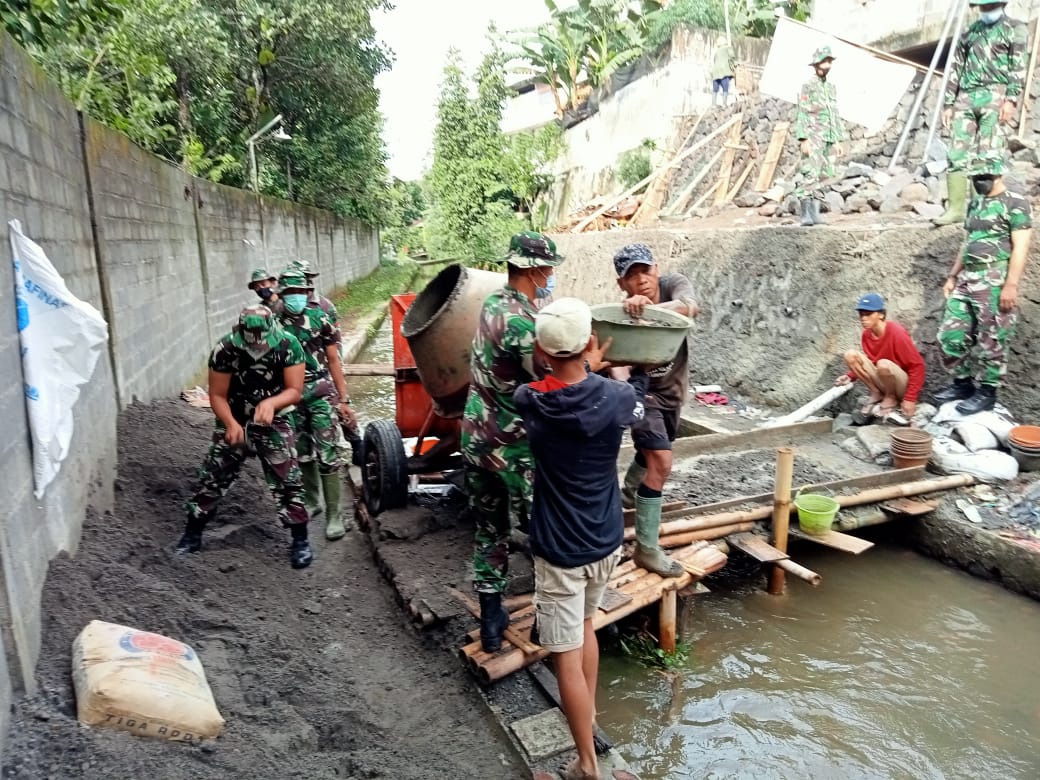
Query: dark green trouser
(500, 501)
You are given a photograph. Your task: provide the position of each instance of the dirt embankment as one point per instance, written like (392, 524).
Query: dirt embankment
(316, 671)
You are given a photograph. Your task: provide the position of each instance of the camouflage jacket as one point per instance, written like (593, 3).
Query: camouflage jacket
(315, 331)
(990, 223)
(816, 116)
(989, 55)
(503, 359)
(254, 378)
(326, 306)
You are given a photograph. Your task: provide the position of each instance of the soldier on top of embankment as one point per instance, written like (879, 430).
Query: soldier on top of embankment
(819, 130)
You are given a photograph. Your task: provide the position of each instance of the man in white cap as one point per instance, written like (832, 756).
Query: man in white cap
(574, 421)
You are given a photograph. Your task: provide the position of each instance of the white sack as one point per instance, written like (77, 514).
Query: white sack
(975, 436)
(987, 465)
(61, 339)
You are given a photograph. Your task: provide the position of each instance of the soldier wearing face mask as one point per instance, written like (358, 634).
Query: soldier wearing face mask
(987, 77)
(255, 376)
(982, 294)
(263, 284)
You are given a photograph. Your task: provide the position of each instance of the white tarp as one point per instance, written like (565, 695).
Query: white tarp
(869, 88)
(61, 339)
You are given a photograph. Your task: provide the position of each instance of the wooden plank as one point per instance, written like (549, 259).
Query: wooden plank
(697, 204)
(684, 197)
(654, 198)
(879, 479)
(368, 369)
(735, 189)
(908, 506)
(746, 440)
(835, 540)
(550, 687)
(727, 162)
(757, 547)
(773, 153)
(613, 599)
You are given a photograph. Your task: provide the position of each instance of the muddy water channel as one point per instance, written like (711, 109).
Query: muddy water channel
(896, 667)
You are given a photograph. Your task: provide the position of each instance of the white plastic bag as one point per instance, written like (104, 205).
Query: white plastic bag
(975, 435)
(61, 339)
(144, 683)
(987, 465)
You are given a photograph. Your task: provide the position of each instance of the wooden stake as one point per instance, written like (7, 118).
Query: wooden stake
(740, 181)
(652, 202)
(614, 200)
(667, 621)
(727, 164)
(773, 152)
(687, 191)
(781, 513)
(1026, 100)
(702, 198)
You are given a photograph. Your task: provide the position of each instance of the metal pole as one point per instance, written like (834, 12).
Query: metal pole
(251, 143)
(924, 87)
(934, 126)
(288, 176)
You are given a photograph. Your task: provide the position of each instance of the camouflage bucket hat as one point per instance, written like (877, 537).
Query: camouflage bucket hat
(261, 275)
(987, 2)
(292, 278)
(821, 54)
(532, 250)
(303, 267)
(255, 326)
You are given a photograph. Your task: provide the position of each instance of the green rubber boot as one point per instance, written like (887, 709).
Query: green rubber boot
(633, 479)
(335, 526)
(956, 206)
(649, 554)
(311, 488)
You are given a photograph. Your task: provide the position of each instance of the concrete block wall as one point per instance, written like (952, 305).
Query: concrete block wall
(167, 264)
(42, 184)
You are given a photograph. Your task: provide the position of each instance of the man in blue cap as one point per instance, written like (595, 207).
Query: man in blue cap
(889, 364)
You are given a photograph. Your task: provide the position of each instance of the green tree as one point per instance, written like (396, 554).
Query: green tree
(526, 164)
(405, 208)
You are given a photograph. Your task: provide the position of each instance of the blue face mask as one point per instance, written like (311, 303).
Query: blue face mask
(295, 303)
(991, 17)
(547, 291)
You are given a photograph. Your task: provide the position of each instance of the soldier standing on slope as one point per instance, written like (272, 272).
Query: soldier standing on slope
(987, 76)
(818, 127)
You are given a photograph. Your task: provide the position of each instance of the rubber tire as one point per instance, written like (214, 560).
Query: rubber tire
(384, 470)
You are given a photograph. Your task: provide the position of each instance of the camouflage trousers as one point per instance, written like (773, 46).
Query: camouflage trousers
(318, 433)
(274, 446)
(815, 167)
(978, 143)
(974, 334)
(500, 502)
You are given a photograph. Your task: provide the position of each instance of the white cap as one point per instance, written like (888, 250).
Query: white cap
(564, 327)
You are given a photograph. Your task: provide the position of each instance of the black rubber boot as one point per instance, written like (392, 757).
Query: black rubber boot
(493, 621)
(958, 391)
(985, 398)
(300, 553)
(191, 541)
(807, 214)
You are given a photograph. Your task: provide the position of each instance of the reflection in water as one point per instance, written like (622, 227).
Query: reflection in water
(896, 667)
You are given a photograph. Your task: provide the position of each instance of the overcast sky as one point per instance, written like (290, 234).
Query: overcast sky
(420, 32)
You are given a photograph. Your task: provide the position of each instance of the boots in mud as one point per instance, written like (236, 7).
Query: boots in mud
(807, 213)
(960, 390)
(191, 540)
(633, 479)
(300, 553)
(493, 621)
(814, 212)
(311, 487)
(956, 204)
(335, 525)
(984, 399)
(649, 554)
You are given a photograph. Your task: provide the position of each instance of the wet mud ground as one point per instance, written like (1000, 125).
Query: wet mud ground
(317, 672)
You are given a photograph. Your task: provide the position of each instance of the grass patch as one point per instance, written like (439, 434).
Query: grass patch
(643, 647)
(367, 295)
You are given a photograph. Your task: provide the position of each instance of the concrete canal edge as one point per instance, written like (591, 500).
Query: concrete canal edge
(366, 327)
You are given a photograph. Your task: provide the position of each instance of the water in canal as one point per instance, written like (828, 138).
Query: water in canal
(895, 667)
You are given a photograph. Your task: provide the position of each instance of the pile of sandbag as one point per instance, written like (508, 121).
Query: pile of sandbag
(144, 683)
(973, 444)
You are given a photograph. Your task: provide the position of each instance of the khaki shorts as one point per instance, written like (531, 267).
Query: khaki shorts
(565, 598)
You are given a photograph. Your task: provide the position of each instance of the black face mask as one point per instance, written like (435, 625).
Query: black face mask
(983, 184)
(265, 293)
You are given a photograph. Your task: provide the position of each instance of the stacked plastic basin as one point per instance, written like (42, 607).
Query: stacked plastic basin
(1024, 442)
(910, 447)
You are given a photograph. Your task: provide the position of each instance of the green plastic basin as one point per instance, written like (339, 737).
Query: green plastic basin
(653, 340)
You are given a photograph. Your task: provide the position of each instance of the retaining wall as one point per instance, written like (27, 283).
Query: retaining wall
(165, 257)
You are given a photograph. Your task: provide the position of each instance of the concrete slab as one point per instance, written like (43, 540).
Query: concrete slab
(543, 735)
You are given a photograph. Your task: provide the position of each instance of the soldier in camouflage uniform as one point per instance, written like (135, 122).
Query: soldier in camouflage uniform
(316, 298)
(819, 129)
(982, 295)
(499, 465)
(255, 376)
(263, 284)
(987, 76)
(319, 441)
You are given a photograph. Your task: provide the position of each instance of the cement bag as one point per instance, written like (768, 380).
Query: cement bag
(998, 424)
(61, 340)
(987, 465)
(975, 435)
(144, 683)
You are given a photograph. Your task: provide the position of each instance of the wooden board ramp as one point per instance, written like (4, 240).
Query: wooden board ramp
(835, 540)
(642, 587)
(757, 547)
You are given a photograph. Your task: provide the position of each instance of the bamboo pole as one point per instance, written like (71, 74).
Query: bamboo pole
(697, 204)
(652, 202)
(666, 621)
(687, 191)
(693, 524)
(613, 201)
(933, 125)
(681, 540)
(908, 489)
(800, 572)
(512, 634)
(740, 181)
(781, 514)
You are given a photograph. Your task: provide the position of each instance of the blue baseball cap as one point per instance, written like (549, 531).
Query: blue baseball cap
(870, 302)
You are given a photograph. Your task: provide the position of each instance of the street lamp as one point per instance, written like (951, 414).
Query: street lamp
(278, 135)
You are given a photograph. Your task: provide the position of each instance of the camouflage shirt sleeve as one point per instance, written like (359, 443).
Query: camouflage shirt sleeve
(801, 115)
(518, 339)
(222, 358)
(953, 85)
(330, 334)
(292, 352)
(1020, 216)
(1016, 66)
(836, 133)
